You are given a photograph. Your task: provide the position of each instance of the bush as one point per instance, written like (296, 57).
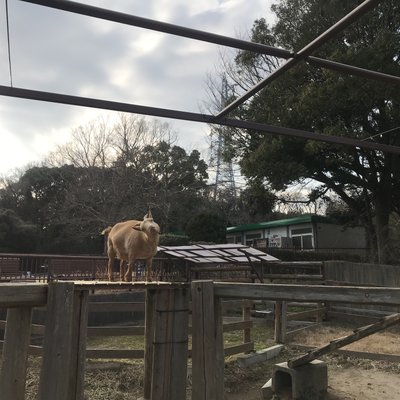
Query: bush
(170, 239)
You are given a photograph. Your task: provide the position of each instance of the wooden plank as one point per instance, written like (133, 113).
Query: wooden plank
(311, 326)
(22, 294)
(237, 326)
(344, 341)
(306, 314)
(15, 352)
(207, 360)
(228, 305)
(78, 345)
(116, 306)
(116, 331)
(148, 342)
(115, 353)
(170, 346)
(240, 348)
(139, 285)
(54, 381)
(308, 293)
(297, 277)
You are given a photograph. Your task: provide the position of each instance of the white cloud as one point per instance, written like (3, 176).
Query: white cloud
(66, 53)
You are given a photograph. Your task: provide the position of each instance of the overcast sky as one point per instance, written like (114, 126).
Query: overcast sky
(62, 52)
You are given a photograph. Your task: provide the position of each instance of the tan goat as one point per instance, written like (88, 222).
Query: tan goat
(130, 241)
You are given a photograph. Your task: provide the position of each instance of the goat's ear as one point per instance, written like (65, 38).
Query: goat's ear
(137, 227)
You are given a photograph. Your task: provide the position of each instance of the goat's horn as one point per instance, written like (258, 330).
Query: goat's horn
(149, 214)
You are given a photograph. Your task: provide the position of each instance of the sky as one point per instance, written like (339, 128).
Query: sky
(61, 52)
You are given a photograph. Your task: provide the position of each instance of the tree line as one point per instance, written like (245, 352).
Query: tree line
(109, 173)
(106, 174)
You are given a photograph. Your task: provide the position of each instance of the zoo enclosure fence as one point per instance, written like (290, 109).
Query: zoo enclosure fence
(166, 332)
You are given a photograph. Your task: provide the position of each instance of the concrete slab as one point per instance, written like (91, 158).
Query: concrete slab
(266, 391)
(307, 382)
(259, 356)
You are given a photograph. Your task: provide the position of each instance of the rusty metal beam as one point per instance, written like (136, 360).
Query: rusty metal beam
(302, 54)
(132, 20)
(190, 116)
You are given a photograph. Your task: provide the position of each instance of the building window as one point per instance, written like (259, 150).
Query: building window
(301, 231)
(251, 238)
(302, 242)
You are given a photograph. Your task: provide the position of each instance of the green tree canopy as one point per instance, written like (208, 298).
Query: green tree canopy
(207, 227)
(324, 101)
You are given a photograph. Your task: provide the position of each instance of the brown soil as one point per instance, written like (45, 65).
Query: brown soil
(349, 378)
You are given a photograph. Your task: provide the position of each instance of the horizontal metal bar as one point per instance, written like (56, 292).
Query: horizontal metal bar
(302, 54)
(190, 116)
(128, 19)
(352, 70)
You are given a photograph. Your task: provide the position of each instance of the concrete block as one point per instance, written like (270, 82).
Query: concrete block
(259, 356)
(266, 391)
(307, 382)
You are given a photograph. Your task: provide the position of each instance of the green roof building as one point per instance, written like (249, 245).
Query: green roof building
(307, 232)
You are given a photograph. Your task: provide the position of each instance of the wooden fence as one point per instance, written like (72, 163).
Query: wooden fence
(166, 332)
(242, 308)
(208, 365)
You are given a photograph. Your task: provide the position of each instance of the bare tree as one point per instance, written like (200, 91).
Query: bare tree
(90, 146)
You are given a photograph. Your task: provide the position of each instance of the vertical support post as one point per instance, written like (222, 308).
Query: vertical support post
(148, 342)
(246, 316)
(284, 322)
(170, 347)
(280, 321)
(55, 373)
(207, 343)
(319, 317)
(78, 345)
(15, 353)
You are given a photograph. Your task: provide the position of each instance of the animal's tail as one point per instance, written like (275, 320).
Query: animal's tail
(106, 231)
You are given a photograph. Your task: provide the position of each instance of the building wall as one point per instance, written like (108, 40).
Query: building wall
(335, 236)
(305, 236)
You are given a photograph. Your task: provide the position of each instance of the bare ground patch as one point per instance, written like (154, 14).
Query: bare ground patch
(349, 378)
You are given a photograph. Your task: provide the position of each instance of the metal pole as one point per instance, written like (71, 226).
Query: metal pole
(303, 53)
(190, 116)
(132, 20)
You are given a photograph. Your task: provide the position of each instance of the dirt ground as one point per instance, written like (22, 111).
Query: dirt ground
(349, 378)
(345, 382)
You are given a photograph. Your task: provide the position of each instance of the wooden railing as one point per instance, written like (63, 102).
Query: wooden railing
(208, 360)
(166, 332)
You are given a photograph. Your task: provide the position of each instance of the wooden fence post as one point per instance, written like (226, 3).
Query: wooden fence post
(57, 374)
(207, 343)
(15, 352)
(170, 346)
(148, 344)
(280, 321)
(78, 345)
(246, 316)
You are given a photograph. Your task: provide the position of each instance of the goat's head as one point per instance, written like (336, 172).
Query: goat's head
(148, 225)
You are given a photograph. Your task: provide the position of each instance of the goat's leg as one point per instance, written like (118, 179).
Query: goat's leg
(111, 258)
(149, 272)
(122, 269)
(128, 274)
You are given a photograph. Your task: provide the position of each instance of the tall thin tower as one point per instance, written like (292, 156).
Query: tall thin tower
(224, 176)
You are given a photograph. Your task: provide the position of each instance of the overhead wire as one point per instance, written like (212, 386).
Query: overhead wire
(8, 44)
